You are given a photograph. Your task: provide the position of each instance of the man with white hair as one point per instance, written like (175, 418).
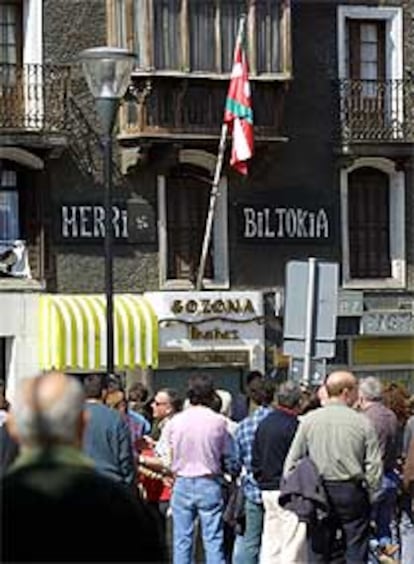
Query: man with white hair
(344, 447)
(385, 424)
(52, 496)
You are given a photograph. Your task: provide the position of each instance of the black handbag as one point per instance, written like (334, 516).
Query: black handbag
(234, 511)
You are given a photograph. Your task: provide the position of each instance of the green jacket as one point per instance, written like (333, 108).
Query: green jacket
(61, 455)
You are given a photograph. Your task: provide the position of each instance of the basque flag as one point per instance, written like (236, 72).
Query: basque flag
(238, 113)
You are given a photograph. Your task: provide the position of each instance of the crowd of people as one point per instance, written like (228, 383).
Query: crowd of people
(280, 474)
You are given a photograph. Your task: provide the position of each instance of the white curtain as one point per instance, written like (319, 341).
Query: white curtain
(9, 215)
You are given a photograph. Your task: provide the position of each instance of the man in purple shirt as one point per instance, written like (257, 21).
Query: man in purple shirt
(200, 447)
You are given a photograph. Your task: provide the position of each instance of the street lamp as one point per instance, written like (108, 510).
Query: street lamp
(107, 71)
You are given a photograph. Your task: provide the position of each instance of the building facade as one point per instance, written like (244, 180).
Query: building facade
(332, 176)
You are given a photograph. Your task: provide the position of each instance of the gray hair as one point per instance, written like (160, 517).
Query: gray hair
(370, 388)
(54, 422)
(289, 394)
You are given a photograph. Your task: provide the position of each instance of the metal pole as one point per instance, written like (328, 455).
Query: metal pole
(107, 153)
(107, 110)
(310, 307)
(212, 205)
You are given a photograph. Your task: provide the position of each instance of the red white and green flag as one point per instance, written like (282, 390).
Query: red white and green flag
(238, 113)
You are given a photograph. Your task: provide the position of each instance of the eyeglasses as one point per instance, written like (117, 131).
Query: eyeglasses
(157, 403)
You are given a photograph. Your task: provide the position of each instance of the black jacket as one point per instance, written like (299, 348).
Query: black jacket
(68, 513)
(270, 447)
(302, 491)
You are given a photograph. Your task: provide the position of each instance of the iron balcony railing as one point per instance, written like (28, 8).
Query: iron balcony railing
(194, 107)
(33, 97)
(376, 111)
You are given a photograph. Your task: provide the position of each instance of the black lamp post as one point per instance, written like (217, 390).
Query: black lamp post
(108, 71)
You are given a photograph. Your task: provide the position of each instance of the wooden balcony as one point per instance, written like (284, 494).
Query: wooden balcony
(192, 109)
(373, 111)
(33, 98)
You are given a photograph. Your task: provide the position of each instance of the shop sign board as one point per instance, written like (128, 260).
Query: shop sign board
(273, 222)
(193, 307)
(133, 221)
(211, 321)
(350, 303)
(387, 323)
(184, 359)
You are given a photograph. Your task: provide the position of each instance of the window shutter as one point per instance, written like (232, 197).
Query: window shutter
(368, 221)
(187, 202)
(354, 49)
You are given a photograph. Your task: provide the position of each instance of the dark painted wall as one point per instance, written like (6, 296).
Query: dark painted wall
(306, 167)
(303, 167)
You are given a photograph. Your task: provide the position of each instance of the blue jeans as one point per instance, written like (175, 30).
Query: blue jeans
(247, 547)
(407, 539)
(383, 510)
(202, 497)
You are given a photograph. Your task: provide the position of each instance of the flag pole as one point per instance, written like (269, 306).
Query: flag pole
(212, 206)
(214, 189)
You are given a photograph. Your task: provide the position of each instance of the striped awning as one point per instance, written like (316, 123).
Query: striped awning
(73, 332)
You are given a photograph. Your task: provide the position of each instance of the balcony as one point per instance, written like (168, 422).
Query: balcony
(373, 111)
(33, 98)
(192, 109)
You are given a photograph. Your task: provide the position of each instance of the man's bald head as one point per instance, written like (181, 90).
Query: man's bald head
(342, 385)
(48, 410)
(44, 390)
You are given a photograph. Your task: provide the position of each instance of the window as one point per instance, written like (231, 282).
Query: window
(373, 240)
(369, 248)
(365, 51)
(370, 51)
(199, 35)
(10, 41)
(183, 200)
(187, 203)
(9, 206)
(365, 65)
(369, 42)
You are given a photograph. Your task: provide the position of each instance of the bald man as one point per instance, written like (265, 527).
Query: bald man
(343, 445)
(53, 498)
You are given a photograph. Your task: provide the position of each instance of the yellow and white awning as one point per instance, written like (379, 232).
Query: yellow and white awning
(73, 332)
